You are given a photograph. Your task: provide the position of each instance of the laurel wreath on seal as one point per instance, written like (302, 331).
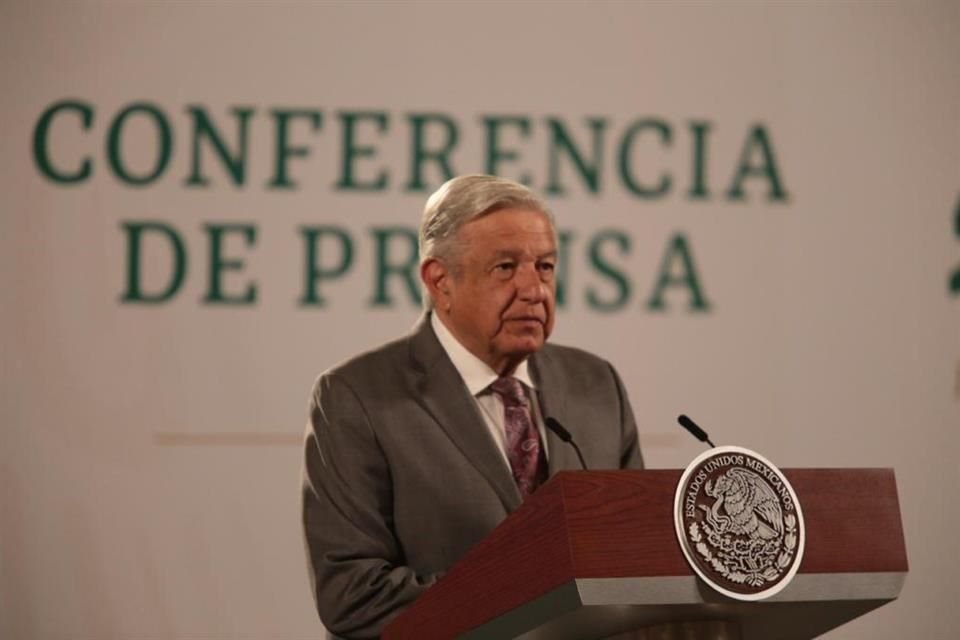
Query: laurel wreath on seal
(740, 566)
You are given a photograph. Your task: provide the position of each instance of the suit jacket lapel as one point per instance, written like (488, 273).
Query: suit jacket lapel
(553, 393)
(445, 397)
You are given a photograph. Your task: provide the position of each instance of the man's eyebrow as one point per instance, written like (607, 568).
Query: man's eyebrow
(507, 253)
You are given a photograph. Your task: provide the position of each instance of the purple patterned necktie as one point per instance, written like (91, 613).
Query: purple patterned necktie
(524, 450)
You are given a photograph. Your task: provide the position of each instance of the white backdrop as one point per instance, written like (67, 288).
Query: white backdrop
(150, 452)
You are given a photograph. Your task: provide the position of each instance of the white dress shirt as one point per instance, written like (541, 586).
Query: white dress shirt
(478, 376)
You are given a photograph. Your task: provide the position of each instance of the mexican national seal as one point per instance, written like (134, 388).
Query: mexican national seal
(739, 523)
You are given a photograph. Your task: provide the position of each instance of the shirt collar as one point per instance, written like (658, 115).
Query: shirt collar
(476, 373)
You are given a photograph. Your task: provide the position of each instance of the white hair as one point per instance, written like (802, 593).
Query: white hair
(460, 200)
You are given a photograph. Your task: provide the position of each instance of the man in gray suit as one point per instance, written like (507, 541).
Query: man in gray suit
(418, 449)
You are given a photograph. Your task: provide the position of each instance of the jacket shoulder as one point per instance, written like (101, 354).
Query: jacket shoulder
(389, 354)
(369, 374)
(564, 356)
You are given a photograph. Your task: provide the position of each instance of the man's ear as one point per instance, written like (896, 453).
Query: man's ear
(436, 278)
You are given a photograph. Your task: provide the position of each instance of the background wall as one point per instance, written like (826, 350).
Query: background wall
(787, 173)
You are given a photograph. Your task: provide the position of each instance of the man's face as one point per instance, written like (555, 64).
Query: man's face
(497, 297)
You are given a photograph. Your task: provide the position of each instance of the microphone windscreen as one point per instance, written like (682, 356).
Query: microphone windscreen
(692, 427)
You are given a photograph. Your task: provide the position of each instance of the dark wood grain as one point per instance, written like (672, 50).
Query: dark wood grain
(853, 520)
(621, 524)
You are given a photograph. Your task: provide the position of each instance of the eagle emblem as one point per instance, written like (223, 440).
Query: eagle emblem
(739, 523)
(745, 506)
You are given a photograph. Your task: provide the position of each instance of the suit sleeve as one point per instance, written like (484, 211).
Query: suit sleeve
(630, 456)
(356, 564)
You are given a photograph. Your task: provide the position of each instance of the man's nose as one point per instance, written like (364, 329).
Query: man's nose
(530, 287)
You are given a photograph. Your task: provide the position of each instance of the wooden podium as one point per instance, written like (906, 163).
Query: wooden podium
(593, 554)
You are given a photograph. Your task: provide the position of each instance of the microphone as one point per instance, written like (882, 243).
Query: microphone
(694, 429)
(563, 434)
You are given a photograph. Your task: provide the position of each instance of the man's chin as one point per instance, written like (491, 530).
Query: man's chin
(522, 346)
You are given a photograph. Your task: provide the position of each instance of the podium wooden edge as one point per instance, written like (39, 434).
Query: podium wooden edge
(661, 600)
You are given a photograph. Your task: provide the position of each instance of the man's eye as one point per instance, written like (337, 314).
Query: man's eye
(546, 266)
(504, 267)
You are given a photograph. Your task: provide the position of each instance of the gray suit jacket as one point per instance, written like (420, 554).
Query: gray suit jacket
(401, 477)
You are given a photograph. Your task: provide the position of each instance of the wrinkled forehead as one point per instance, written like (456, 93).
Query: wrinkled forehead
(512, 229)
(516, 207)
